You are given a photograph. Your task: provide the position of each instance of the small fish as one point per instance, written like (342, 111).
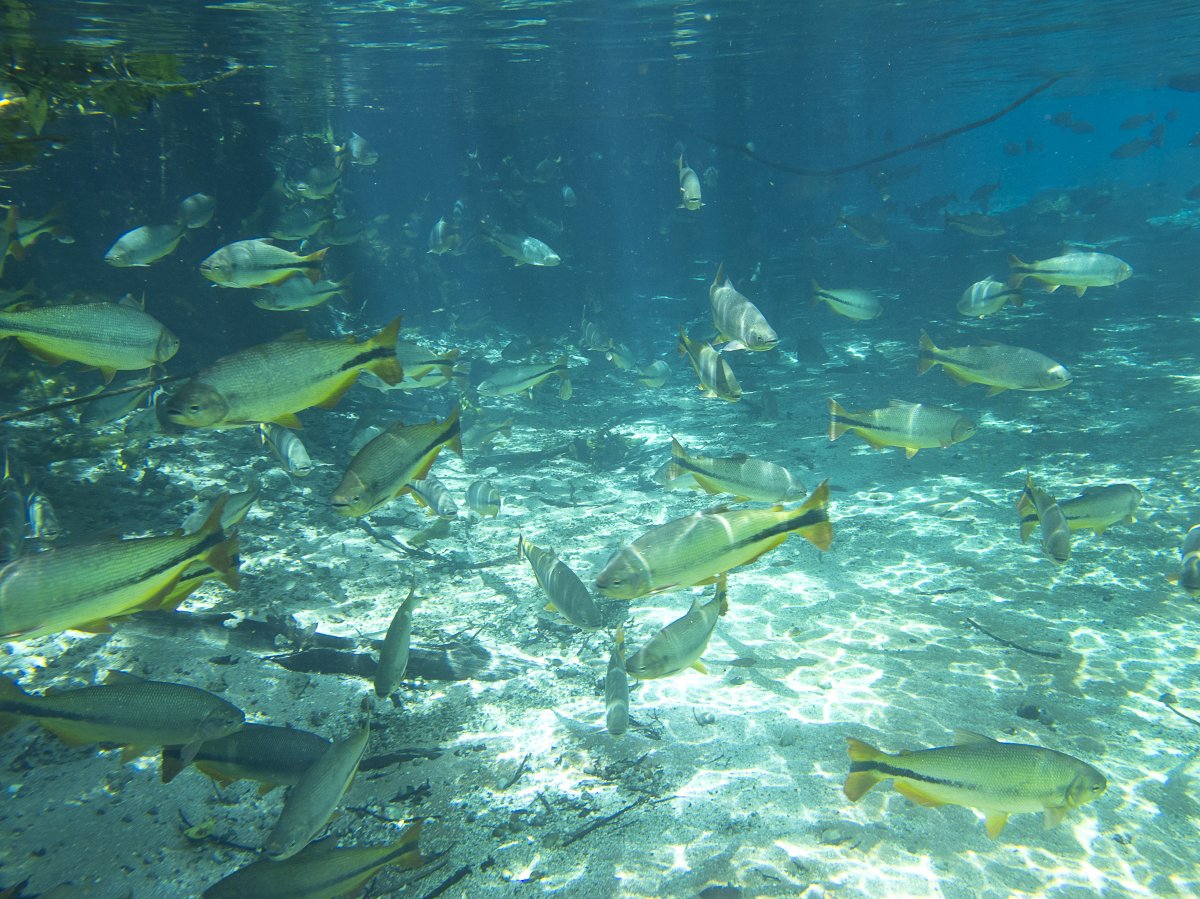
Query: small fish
(196, 211)
(145, 245)
(741, 476)
(127, 710)
(994, 365)
(273, 381)
(381, 471)
(1189, 562)
(39, 512)
(319, 183)
(850, 302)
(976, 224)
(82, 586)
(234, 507)
(1135, 122)
(689, 187)
(998, 779)
(1056, 532)
(108, 409)
(523, 378)
(1096, 509)
(258, 262)
(697, 549)
(737, 320)
(987, 297)
(568, 196)
(273, 756)
(712, 371)
(484, 433)
(982, 195)
(109, 336)
(432, 494)
(654, 375)
(565, 591)
(521, 248)
(1078, 270)
(287, 448)
(420, 362)
(299, 222)
(866, 228)
(484, 499)
(444, 238)
(619, 355)
(1139, 145)
(360, 151)
(299, 293)
(591, 338)
(679, 645)
(616, 688)
(913, 426)
(319, 871)
(312, 801)
(393, 655)
(28, 230)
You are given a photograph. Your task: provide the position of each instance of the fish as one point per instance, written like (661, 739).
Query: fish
(689, 188)
(523, 378)
(619, 355)
(111, 408)
(1078, 270)
(712, 371)
(1135, 122)
(444, 238)
(145, 245)
(360, 151)
(319, 871)
(273, 381)
(679, 645)
(1139, 145)
(912, 426)
(258, 262)
(1189, 562)
(393, 655)
(319, 183)
(591, 338)
(697, 549)
(566, 593)
(484, 433)
(9, 246)
(983, 194)
(616, 688)
(654, 375)
(521, 248)
(299, 222)
(737, 320)
(196, 211)
(998, 779)
(381, 471)
(111, 337)
(484, 499)
(432, 494)
(299, 293)
(420, 362)
(1096, 509)
(273, 756)
(233, 509)
(976, 224)
(83, 586)
(39, 512)
(312, 801)
(743, 477)
(987, 297)
(994, 365)
(126, 710)
(29, 230)
(568, 196)
(287, 448)
(1056, 532)
(850, 302)
(866, 228)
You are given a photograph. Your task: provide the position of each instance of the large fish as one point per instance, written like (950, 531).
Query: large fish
(564, 591)
(521, 248)
(393, 655)
(313, 800)
(1056, 531)
(913, 426)
(987, 297)
(145, 245)
(689, 187)
(998, 779)
(699, 548)
(320, 871)
(679, 645)
(523, 378)
(616, 688)
(274, 381)
(109, 336)
(1096, 509)
(82, 587)
(258, 262)
(127, 710)
(712, 371)
(736, 319)
(381, 471)
(849, 302)
(1078, 270)
(994, 365)
(273, 756)
(741, 476)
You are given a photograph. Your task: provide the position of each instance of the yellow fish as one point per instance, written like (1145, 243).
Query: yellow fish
(913, 426)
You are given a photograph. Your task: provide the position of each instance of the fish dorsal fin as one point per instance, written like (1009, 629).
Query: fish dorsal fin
(122, 677)
(895, 402)
(297, 336)
(970, 738)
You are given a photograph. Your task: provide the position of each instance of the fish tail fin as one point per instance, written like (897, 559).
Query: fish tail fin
(171, 764)
(859, 782)
(816, 292)
(522, 555)
(719, 277)
(564, 392)
(813, 518)
(1018, 299)
(388, 367)
(925, 351)
(405, 852)
(455, 430)
(313, 269)
(836, 426)
(1016, 264)
(683, 341)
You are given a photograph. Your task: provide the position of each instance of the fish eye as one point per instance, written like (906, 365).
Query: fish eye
(194, 407)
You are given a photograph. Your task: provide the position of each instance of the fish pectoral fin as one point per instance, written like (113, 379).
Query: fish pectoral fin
(288, 420)
(710, 487)
(917, 795)
(1053, 816)
(550, 607)
(699, 666)
(909, 452)
(994, 822)
(188, 752)
(993, 390)
(1050, 288)
(1079, 291)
